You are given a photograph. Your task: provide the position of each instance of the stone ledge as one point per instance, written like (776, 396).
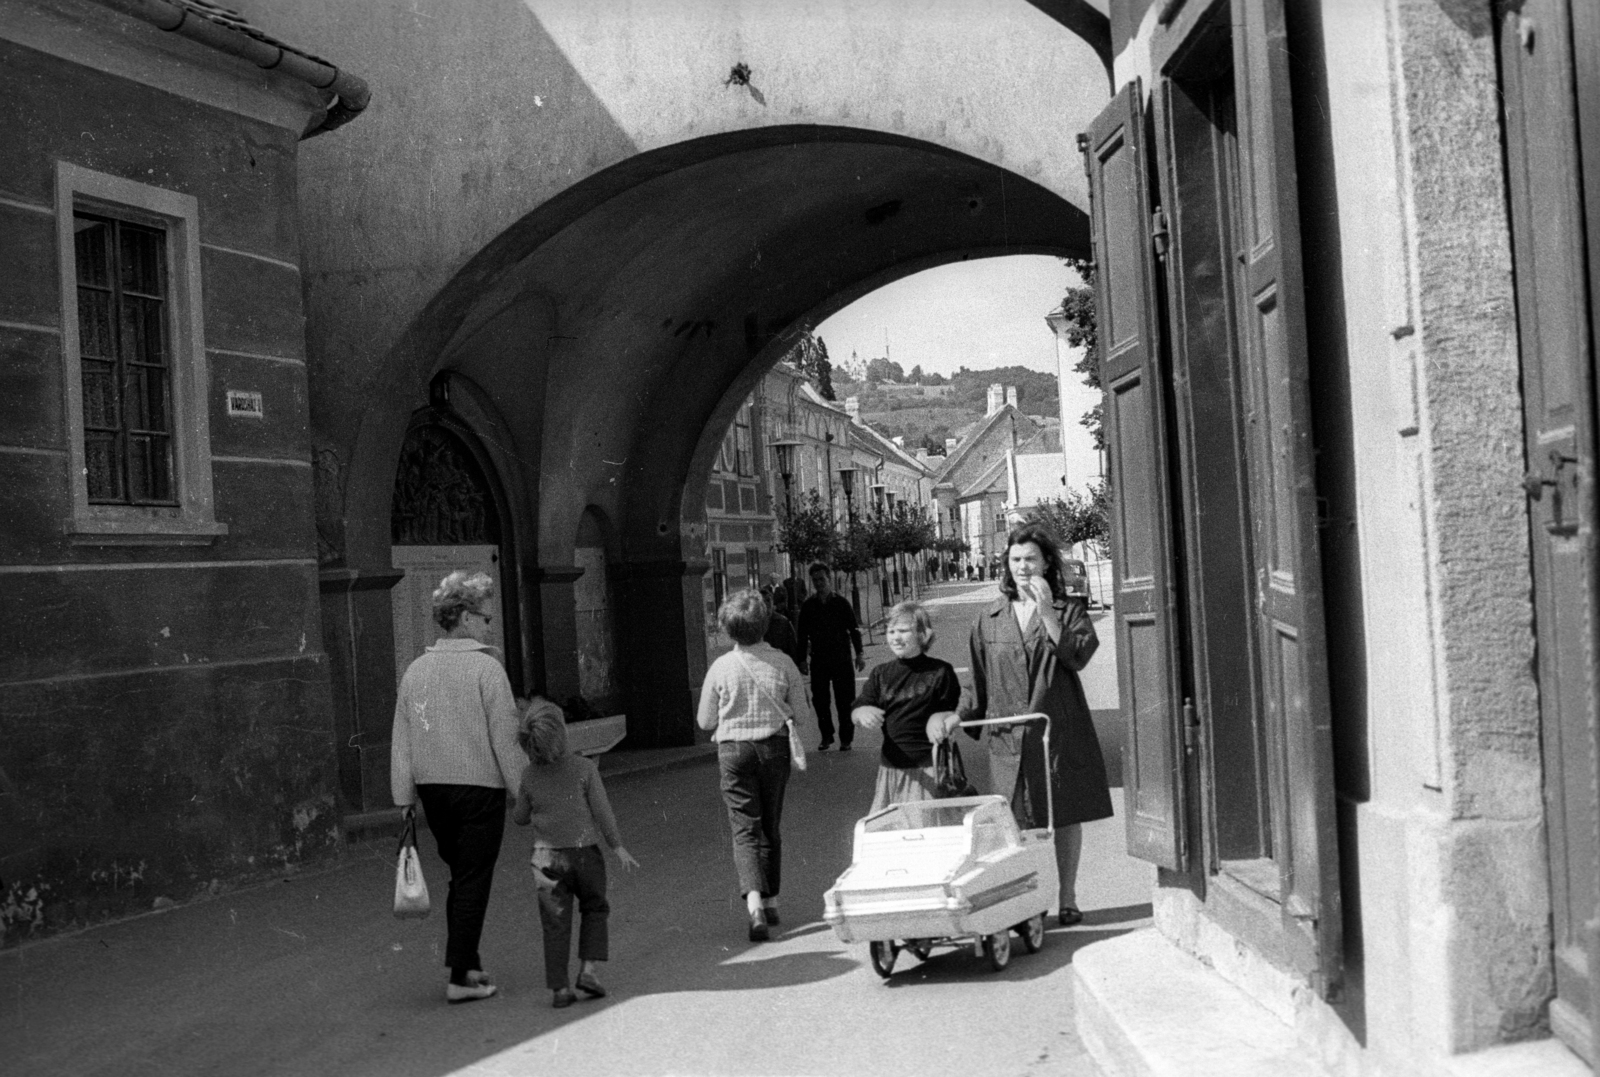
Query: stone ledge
(1539, 1058)
(1146, 1009)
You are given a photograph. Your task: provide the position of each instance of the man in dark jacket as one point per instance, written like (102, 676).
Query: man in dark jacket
(828, 636)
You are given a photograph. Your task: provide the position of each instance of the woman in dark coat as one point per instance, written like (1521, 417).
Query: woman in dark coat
(1027, 648)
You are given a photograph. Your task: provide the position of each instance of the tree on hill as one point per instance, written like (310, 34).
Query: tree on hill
(1078, 306)
(1037, 392)
(881, 370)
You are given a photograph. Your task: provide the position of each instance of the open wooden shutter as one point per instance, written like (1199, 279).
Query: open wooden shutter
(1552, 101)
(1135, 417)
(1288, 566)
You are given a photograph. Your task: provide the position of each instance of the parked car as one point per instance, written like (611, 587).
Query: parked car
(1075, 578)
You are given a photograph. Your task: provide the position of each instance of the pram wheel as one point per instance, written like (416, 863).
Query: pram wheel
(997, 948)
(1032, 932)
(883, 955)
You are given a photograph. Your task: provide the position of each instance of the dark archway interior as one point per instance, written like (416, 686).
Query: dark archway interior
(615, 330)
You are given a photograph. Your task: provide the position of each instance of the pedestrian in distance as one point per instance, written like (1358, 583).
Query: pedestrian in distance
(780, 633)
(750, 697)
(1027, 647)
(828, 636)
(562, 797)
(903, 697)
(454, 748)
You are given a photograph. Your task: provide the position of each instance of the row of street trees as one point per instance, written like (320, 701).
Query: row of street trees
(877, 538)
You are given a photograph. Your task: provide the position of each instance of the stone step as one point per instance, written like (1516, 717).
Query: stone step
(1146, 1009)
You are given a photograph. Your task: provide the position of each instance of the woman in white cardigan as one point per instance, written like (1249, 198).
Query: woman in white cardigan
(455, 749)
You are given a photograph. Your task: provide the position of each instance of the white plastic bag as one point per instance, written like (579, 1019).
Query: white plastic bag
(797, 748)
(410, 888)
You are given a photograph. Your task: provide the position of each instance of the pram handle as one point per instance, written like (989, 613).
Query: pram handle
(1049, 785)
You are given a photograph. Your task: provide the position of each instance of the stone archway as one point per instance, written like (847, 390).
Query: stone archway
(617, 287)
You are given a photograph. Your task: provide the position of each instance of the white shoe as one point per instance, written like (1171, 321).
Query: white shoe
(454, 993)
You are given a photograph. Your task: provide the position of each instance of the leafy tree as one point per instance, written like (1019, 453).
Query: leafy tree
(852, 547)
(881, 370)
(914, 530)
(1076, 518)
(878, 529)
(1078, 306)
(806, 534)
(810, 356)
(915, 377)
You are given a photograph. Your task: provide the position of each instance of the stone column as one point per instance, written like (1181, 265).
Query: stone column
(660, 631)
(559, 619)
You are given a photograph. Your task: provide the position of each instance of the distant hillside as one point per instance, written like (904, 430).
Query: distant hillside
(928, 418)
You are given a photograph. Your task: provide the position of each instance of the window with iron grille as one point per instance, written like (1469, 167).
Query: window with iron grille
(133, 355)
(125, 359)
(752, 565)
(719, 575)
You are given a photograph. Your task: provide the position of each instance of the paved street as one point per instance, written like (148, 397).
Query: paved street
(312, 975)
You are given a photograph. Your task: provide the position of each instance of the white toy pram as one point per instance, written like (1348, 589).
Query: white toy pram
(947, 872)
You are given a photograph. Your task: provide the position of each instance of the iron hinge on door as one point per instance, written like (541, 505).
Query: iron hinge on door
(1534, 483)
(1160, 237)
(1191, 727)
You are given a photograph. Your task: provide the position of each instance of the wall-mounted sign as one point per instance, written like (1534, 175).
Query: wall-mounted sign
(246, 404)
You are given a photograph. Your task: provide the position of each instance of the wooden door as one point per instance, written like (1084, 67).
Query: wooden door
(412, 598)
(1287, 564)
(1544, 49)
(1148, 669)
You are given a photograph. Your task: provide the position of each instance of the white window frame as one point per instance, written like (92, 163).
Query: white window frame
(192, 521)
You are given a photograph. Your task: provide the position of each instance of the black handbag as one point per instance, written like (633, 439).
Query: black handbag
(949, 773)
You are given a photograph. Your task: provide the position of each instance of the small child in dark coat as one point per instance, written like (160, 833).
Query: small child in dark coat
(562, 797)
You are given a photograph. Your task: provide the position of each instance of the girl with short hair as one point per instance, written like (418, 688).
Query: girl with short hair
(750, 696)
(562, 797)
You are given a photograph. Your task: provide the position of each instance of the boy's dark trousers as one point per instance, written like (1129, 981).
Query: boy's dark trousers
(468, 822)
(578, 872)
(840, 681)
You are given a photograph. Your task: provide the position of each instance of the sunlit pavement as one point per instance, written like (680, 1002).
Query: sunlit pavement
(313, 975)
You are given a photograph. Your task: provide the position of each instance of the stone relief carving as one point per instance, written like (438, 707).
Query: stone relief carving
(440, 495)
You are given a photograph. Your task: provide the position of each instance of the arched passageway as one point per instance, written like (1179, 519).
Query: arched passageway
(571, 221)
(613, 343)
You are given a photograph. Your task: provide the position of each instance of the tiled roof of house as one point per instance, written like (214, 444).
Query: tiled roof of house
(233, 20)
(344, 96)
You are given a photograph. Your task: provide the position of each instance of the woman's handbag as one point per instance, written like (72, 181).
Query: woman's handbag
(410, 888)
(797, 747)
(949, 774)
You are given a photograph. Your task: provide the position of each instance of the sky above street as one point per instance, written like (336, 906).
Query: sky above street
(979, 314)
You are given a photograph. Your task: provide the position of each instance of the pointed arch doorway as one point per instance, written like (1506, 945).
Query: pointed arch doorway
(446, 515)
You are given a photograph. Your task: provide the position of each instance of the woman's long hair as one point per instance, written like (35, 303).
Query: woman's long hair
(1041, 537)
